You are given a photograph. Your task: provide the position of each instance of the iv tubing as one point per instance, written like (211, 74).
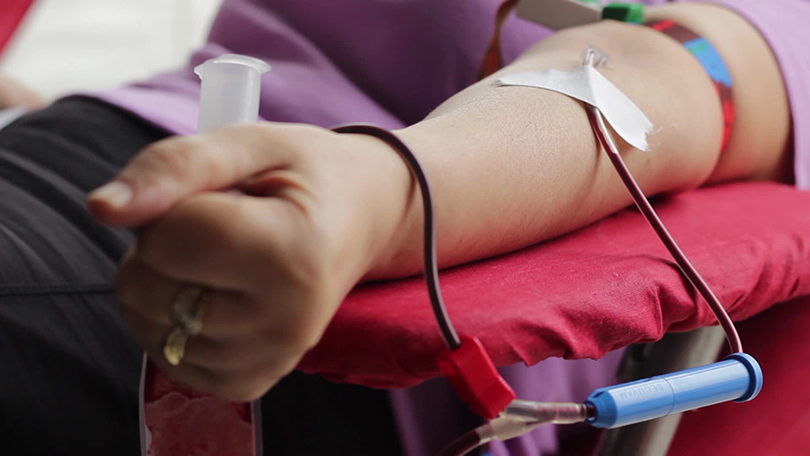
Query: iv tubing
(643, 204)
(506, 427)
(431, 264)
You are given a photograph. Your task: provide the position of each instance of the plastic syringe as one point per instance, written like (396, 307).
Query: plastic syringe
(230, 93)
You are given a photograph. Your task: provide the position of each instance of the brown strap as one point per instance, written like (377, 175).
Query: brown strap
(493, 61)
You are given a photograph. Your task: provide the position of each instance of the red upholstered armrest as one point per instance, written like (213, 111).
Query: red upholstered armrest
(12, 13)
(596, 290)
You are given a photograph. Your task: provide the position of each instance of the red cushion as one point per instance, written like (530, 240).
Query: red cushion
(12, 13)
(596, 290)
(776, 423)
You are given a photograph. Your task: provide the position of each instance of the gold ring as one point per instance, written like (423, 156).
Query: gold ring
(175, 346)
(187, 310)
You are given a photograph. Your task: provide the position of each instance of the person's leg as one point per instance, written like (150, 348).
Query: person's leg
(68, 372)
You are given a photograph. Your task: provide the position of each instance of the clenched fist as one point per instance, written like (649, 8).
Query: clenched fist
(277, 221)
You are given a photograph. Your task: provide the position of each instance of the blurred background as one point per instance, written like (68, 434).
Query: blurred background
(64, 46)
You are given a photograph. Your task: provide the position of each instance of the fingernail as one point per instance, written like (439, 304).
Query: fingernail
(116, 194)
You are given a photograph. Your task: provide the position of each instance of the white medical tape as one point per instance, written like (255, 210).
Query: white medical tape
(586, 84)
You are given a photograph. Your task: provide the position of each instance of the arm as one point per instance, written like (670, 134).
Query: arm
(514, 166)
(319, 212)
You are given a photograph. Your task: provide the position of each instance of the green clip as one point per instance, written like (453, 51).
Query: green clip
(625, 12)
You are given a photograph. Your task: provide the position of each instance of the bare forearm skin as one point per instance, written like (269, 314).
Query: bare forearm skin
(514, 166)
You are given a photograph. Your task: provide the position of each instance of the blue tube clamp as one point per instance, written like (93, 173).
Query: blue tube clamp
(737, 378)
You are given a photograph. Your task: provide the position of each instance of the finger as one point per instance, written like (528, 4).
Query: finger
(235, 372)
(245, 352)
(196, 377)
(170, 170)
(251, 384)
(232, 242)
(150, 295)
(232, 386)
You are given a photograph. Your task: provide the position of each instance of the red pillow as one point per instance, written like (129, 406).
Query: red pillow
(776, 422)
(580, 296)
(11, 15)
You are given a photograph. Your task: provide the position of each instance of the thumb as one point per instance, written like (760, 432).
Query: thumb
(168, 171)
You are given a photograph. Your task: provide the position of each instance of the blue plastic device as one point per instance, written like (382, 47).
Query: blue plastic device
(737, 378)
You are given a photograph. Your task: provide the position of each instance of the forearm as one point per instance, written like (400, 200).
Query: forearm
(13, 94)
(514, 166)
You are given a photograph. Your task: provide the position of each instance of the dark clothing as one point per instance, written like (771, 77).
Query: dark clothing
(68, 369)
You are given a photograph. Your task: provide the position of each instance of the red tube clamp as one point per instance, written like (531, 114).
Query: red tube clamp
(471, 372)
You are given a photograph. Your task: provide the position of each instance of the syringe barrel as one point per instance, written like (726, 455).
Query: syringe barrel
(230, 90)
(736, 378)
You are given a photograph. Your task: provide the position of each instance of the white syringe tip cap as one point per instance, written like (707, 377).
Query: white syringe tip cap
(235, 59)
(230, 90)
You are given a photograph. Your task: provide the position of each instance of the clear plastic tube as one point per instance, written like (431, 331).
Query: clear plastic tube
(597, 58)
(230, 93)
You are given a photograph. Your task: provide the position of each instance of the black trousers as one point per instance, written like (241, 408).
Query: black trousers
(68, 369)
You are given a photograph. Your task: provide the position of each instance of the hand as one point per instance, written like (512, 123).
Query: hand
(307, 213)
(13, 94)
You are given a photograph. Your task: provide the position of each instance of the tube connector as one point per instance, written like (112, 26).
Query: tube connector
(546, 412)
(504, 429)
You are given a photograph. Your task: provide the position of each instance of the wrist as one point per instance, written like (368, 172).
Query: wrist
(381, 201)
